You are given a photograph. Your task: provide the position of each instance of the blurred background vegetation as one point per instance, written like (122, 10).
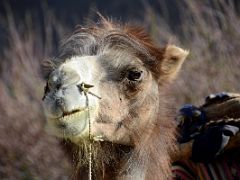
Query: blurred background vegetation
(31, 30)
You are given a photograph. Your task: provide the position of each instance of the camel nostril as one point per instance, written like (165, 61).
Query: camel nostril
(58, 86)
(60, 103)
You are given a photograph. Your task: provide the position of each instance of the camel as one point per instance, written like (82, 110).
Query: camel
(106, 97)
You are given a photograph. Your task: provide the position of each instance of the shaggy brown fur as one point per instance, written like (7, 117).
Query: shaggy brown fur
(134, 116)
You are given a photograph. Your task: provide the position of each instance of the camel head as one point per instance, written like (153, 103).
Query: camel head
(106, 86)
(109, 75)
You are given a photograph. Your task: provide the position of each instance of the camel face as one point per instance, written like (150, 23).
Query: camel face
(121, 84)
(123, 73)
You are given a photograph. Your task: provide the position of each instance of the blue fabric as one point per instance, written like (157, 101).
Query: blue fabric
(210, 143)
(207, 142)
(194, 120)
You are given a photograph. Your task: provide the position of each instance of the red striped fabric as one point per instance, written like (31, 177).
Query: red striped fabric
(224, 169)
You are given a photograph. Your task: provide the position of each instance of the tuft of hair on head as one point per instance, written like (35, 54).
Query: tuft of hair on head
(92, 26)
(173, 58)
(104, 21)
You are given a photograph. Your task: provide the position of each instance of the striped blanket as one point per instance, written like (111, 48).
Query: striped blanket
(221, 169)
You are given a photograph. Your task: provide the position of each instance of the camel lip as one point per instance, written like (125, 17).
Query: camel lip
(69, 115)
(73, 112)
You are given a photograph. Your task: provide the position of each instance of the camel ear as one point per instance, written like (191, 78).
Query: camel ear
(173, 59)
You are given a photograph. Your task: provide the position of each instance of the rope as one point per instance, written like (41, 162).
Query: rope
(85, 88)
(224, 121)
(89, 138)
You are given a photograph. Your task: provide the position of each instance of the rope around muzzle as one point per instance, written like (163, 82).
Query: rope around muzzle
(85, 89)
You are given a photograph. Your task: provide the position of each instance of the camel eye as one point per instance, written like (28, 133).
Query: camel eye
(134, 75)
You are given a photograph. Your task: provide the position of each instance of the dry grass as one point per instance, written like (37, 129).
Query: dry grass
(212, 33)
(26, 151)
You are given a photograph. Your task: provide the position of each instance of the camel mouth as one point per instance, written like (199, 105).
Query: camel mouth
(69, 113)
(72, 114)
(72, 123)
